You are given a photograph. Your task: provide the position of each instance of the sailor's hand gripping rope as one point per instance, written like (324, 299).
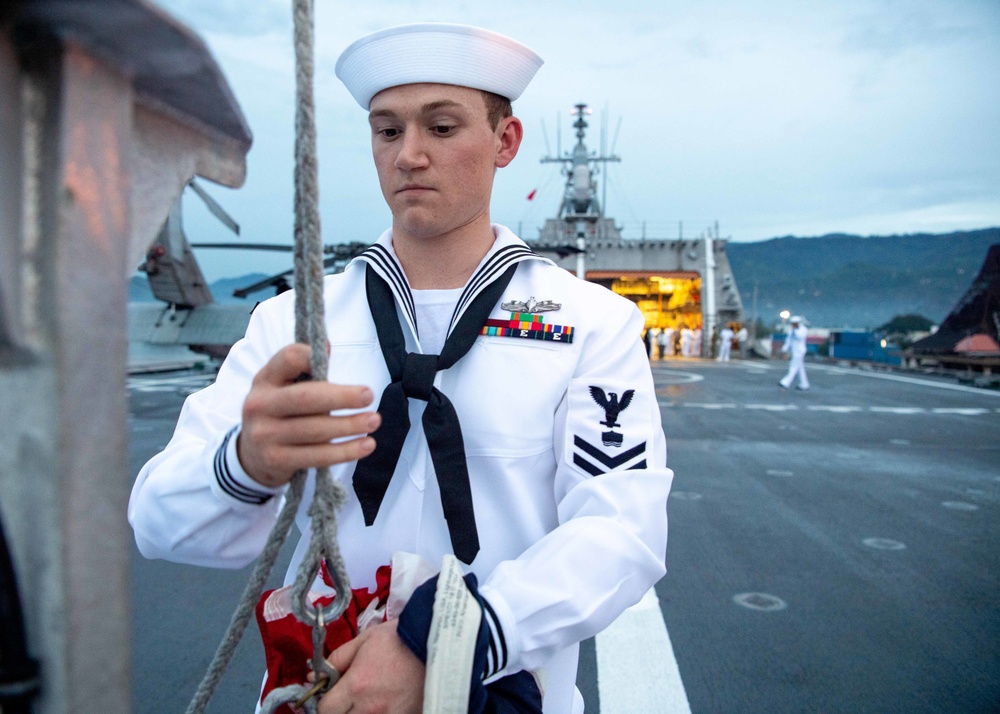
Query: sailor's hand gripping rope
(310, 328)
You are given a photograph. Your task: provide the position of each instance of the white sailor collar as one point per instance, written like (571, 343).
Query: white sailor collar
(507, 249)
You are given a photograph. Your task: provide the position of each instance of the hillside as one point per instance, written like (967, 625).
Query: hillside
(855, 281)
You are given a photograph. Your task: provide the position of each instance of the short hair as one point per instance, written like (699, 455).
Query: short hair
(497, 108)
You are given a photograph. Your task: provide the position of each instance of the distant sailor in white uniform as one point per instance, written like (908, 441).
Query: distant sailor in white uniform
(517, 423)
(725, 343)
(666, 338)
(795, 346)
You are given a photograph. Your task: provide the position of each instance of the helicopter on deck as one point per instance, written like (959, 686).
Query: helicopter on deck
(185, 312)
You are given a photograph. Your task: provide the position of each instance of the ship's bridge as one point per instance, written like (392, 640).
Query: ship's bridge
(676, 282)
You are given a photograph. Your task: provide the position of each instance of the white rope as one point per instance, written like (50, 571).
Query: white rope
(310, 328)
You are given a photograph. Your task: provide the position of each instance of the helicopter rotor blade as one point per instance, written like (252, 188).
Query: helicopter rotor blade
(215, 209)
(277, 247)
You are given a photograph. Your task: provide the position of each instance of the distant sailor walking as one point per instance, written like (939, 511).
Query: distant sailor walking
(796, 346)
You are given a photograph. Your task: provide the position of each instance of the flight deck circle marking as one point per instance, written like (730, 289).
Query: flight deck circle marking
(779, 472)
(975, 492)
(900, 442)
(686, 495)
(676, 377)
(760, 601)
(884, 544)
(960, 506)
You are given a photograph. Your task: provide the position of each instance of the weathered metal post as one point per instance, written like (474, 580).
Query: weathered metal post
(106, 111)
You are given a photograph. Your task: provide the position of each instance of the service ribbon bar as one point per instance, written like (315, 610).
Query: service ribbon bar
(527, 326)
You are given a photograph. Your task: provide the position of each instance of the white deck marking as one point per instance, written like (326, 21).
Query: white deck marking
(830, 409)
(884, 544)
(760, 601)
(965, 412)
(636, 667)
(676, 377)
(960, 506)
(908, 380)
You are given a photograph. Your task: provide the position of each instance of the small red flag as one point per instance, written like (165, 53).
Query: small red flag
(532, 194)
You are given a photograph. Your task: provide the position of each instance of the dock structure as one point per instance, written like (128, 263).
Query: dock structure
(676, 282)
(107, 110)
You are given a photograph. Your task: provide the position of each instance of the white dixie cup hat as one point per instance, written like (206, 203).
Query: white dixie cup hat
(439, 53)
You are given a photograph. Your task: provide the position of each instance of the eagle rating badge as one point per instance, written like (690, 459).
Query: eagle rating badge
(612, 407)
(611, 453)
(526, 323)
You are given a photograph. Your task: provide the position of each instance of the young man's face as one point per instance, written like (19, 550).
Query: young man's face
(436, 153)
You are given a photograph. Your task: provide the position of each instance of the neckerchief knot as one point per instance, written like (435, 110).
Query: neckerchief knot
(412, 376)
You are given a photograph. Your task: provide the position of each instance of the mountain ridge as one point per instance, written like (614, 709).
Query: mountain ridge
(844, 280)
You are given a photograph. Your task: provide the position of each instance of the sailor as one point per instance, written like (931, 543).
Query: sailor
(795, 346)
(725, 343)
(666, 340)
(517, 425)
(686, 337)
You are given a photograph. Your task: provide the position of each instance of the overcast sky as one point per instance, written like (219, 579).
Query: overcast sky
(772, 117)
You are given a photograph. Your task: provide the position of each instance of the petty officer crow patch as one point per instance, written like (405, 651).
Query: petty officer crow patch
(611, 427)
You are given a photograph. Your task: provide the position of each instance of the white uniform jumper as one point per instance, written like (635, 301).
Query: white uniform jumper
(563, 439)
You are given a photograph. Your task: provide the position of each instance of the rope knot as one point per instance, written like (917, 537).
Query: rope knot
(418, 375)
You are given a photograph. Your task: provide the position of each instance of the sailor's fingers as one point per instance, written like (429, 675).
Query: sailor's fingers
(379, 674)
(287, 365)
(274, 464)
(342, 657)
(297, 399)
(287, 424)
(266, 399)
(279, 389)
(319, 429)
(272, 450)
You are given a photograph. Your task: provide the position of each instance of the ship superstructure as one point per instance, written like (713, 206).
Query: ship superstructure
(677, 282)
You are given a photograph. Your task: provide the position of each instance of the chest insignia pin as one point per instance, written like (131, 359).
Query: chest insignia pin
(526, 322)
(530, 306)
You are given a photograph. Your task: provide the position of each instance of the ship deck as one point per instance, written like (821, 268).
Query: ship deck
(836, 550)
